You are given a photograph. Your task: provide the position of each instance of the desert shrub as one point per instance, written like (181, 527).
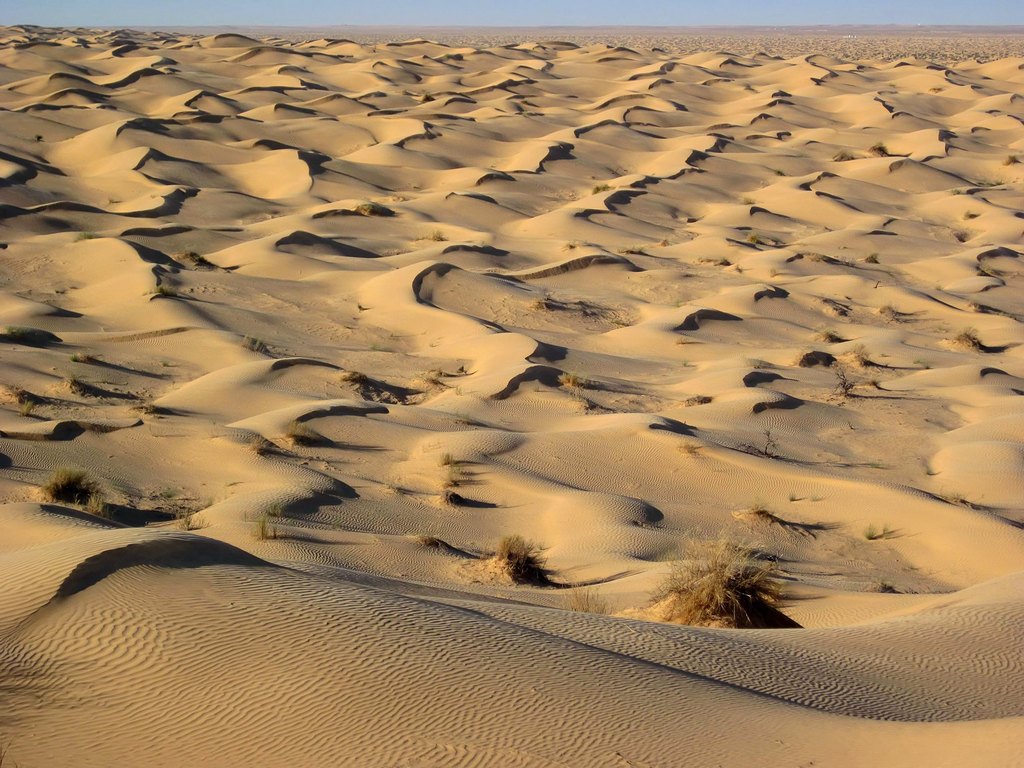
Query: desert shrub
(721, 585)
(70, 486)
(521, 561)
(967, 339)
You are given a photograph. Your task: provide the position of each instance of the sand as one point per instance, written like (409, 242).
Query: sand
(325, 320)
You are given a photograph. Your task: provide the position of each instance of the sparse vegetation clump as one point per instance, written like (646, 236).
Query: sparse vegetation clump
(721, 585)
(843, 156)
(374, 209)
(76, 386)
(1011, 160)
(435, 235)
(190, 520)
(571, 381)
(967, 339)
(599, 188)
(300, 433)
(874, 533)
(521, 561)
(194, 260)
(259, 445)
(586, 600)
(843, 387)
(71, 486)
(255, 345)
(353, 377)
(879, 150)
(264, 529)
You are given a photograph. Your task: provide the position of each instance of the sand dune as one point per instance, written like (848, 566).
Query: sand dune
(326, 320)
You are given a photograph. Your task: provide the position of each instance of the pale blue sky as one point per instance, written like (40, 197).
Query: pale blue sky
(506, 12)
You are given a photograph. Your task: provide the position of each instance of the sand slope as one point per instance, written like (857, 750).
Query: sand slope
(394, 302)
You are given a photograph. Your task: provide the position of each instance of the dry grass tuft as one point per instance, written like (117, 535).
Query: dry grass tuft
(873, 533)
(967, 339)
(190, 520)
(586, 600)
(300, 433)
(259, 445)
(264, 529)
(353, 377)
(194, 260)
(521, 561)
(572, 382)
(255, 345)
(71, 486)
(721, 585)
(374, 209)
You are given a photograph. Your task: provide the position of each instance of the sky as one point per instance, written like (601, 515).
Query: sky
(304, 13)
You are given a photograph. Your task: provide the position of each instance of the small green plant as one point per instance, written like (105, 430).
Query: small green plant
(83, 358)
(521, 561)
(70, 486)
(26, 408)
(86, 236)
(599, 188)
(435, 235)
(754, 239)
